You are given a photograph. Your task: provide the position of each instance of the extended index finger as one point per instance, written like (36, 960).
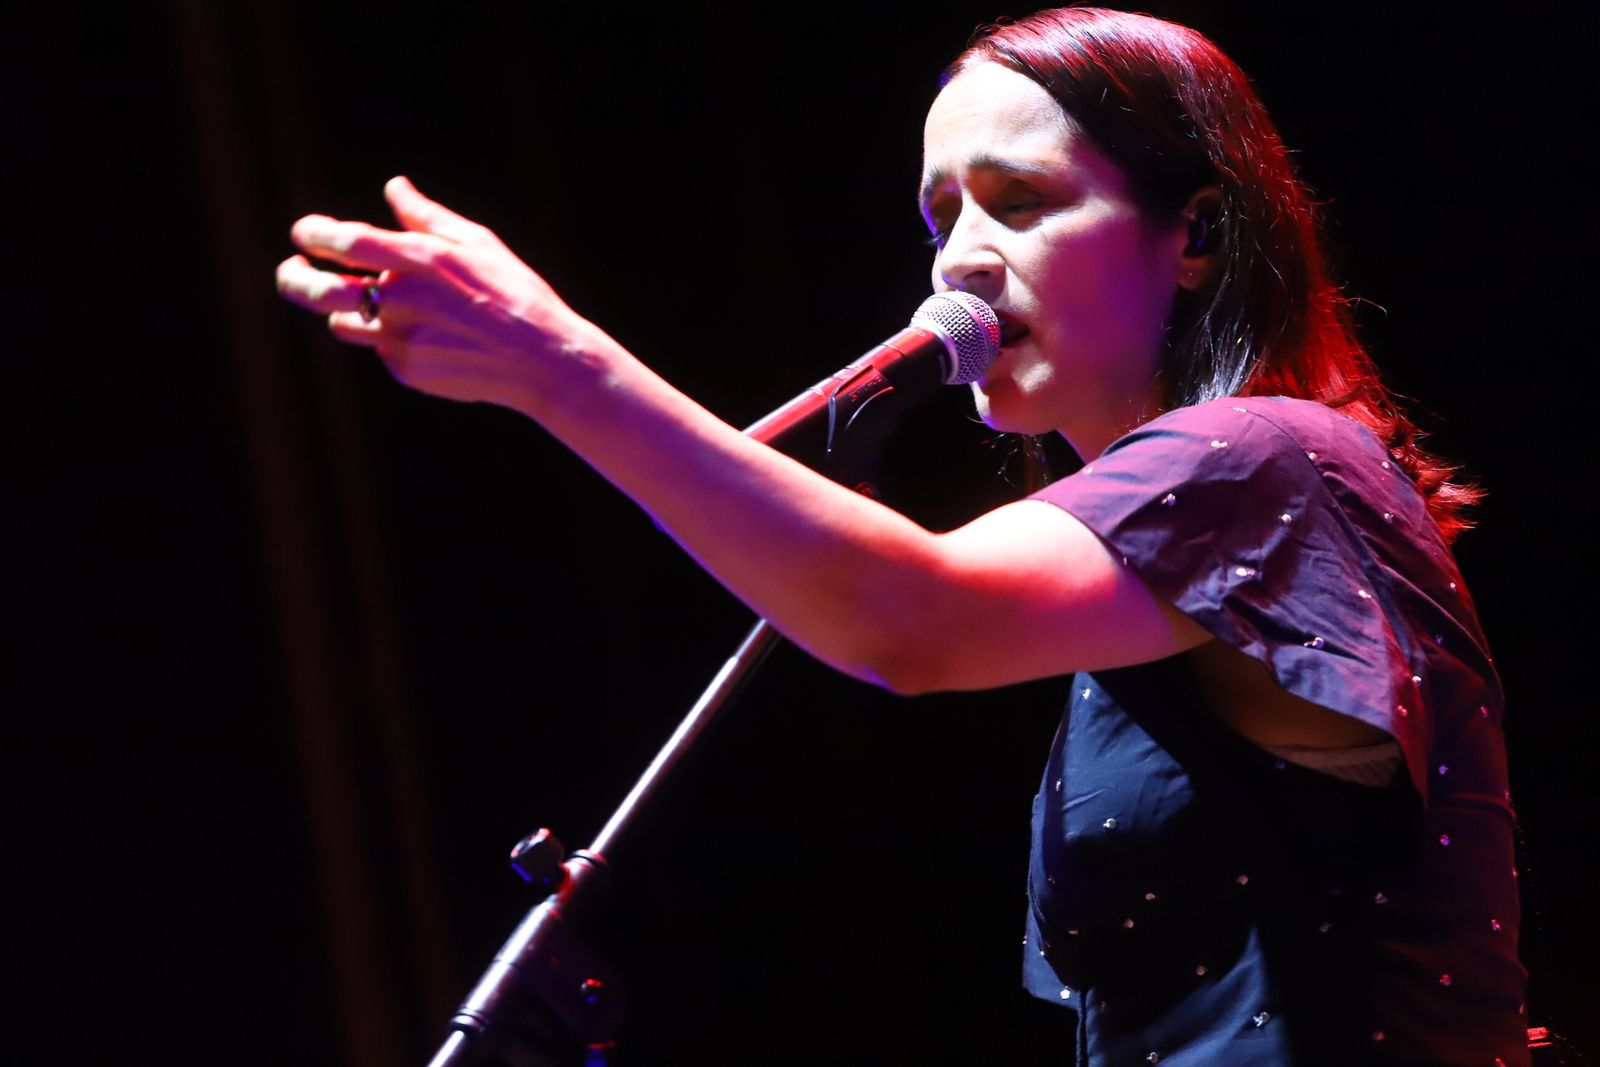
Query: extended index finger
(418, 212)
(364, 246)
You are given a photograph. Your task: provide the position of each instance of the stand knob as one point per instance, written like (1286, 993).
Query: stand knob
(538, 858)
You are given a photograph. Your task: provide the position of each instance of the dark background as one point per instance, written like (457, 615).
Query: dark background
(293, 655)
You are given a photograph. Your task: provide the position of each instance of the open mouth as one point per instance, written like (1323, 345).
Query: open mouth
(1011, 331)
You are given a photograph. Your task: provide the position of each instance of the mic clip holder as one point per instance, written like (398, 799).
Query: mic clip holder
(861, 403)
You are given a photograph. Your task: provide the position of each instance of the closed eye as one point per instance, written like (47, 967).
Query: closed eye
(1023, 201)
(1016, 202)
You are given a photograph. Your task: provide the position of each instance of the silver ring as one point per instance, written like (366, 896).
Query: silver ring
(371, 300)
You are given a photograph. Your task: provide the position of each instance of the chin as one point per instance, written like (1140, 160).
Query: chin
(1005, 408)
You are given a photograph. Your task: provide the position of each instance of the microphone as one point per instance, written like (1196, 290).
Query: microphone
(952, 340)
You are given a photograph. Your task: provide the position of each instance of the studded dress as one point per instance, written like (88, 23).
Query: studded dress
(1201, 901)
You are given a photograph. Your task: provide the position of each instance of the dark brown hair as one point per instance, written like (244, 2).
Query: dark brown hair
(1176, 114)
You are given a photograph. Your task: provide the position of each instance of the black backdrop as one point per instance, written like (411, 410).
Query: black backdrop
(294, 655)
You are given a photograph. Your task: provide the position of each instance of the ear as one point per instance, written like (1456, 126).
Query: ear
(1198, 260)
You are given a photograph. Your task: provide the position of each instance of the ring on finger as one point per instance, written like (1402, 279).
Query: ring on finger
(371, 300)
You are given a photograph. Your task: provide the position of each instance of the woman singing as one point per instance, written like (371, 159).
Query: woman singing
(1273, 827)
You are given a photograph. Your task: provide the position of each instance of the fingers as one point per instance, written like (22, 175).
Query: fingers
(417, 212)
(393, 340)
(351, 328)
(363, 246)
(320, 290)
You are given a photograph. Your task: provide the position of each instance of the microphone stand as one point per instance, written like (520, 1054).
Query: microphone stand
(574, 997)
(547, 1000)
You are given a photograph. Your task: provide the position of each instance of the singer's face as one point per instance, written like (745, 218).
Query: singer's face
(1030, 217)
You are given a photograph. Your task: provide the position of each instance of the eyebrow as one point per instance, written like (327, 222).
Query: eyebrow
(1000, 164)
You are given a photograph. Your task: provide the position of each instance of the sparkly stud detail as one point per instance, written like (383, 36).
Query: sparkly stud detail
(1243, 879)
(1416, 679)
(1127, 924)
(1245, 572)
(1388, 516)
(1438, 639)
(1385, 464)
(1240, 410)
(1444, 768)
(1494, 924)
(1444, 839)
(1050, 878)
(1109, 824)
(1380, 898)
(1452, 586)
(1072, 933)
(1311, 455)
(1169, 500)
(1066, 994)
(1363, 594)
(1154, 1057)
(1087, 470)
(1315, 642)
(1218, 444)
(1483, 710)
(1444, 980)
(1200, 970)
(1149, 897)
(1403, 710)
(1286, 517)
(1260, 1018)
(1058, 785)
(1086, 694)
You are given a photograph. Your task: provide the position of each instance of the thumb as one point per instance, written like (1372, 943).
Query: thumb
(417, 212)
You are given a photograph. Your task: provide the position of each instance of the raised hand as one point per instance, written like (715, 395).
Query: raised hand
(450, 309)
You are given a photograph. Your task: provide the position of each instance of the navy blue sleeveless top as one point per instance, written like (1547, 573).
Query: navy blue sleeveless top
(1199, 901)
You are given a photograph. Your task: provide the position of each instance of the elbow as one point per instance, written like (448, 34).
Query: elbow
(899, 637)
(899, 673)
(910, 654)
(907, 687)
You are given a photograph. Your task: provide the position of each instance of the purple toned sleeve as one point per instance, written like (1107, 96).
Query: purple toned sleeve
(1263, 519)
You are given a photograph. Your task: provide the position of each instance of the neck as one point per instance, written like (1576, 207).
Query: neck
(1091, 436)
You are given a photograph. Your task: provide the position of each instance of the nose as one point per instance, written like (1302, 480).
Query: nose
(968, 261)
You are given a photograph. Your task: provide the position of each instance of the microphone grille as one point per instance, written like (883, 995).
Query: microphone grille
(970, 330)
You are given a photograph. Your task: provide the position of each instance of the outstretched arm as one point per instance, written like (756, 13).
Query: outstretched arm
(1023, 592)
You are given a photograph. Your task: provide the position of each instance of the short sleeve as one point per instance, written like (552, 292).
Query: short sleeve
(1226, 511)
